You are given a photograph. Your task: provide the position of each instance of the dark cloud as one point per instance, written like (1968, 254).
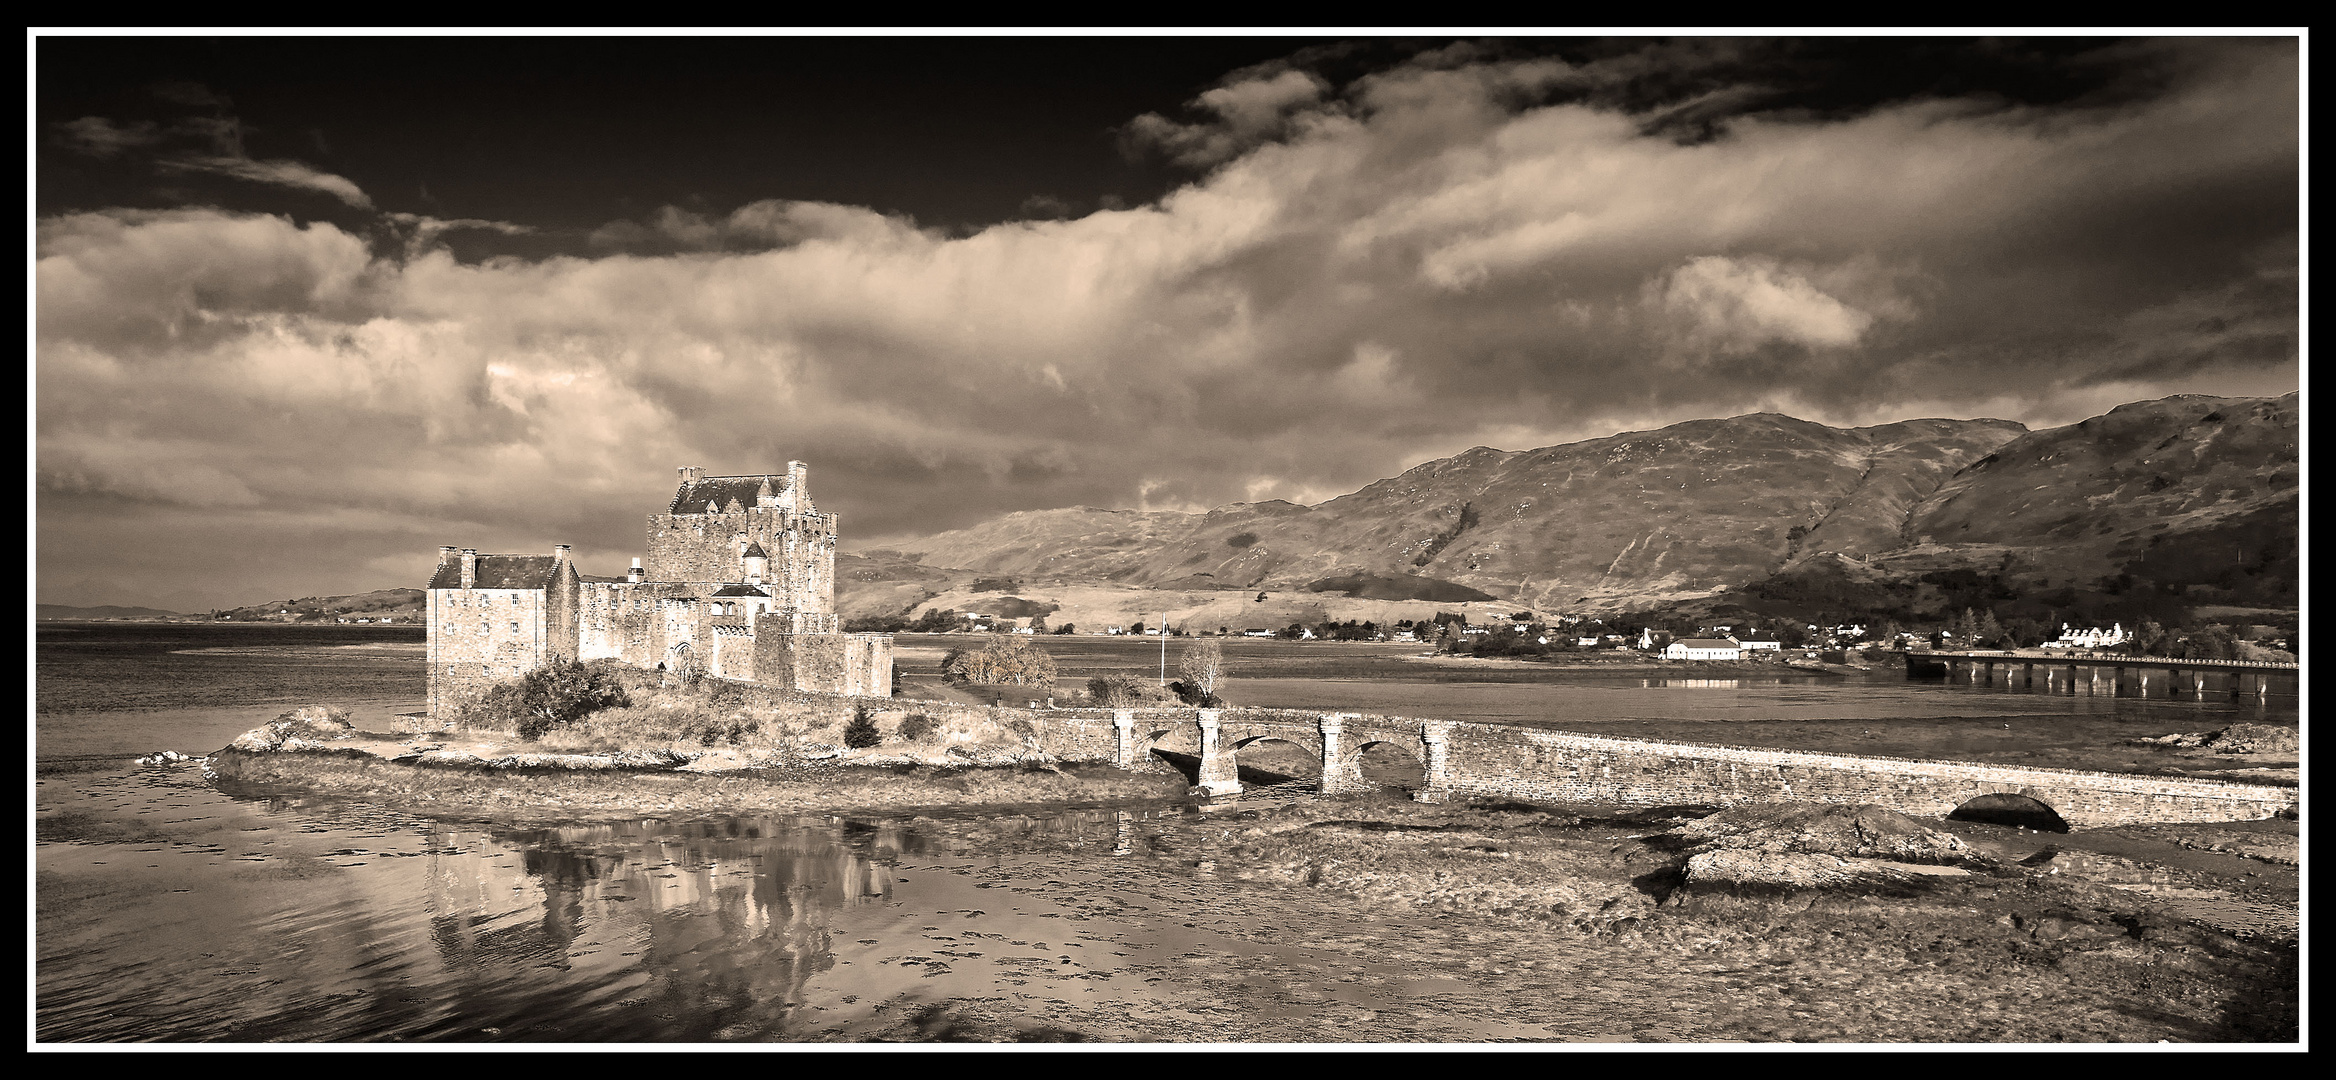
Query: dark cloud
(1478, 244)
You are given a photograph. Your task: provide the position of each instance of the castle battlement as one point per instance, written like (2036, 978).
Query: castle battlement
(739, 579)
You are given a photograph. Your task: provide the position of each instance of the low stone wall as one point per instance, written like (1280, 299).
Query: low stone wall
(1486, 759)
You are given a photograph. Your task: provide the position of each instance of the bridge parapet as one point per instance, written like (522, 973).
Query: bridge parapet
(1541, 765)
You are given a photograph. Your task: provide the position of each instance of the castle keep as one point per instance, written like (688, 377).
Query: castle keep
(740, 583)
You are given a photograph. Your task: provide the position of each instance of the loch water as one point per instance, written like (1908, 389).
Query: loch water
(169, 910)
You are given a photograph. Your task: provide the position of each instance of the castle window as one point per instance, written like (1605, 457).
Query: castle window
(515, 626)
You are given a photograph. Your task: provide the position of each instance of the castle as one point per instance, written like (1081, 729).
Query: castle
(740, 584)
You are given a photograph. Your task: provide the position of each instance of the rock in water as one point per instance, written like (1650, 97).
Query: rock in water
(2235, 739)
(306, 724)
(165, 757)
(1779, 869)
(2255, 739)
(1862, 831)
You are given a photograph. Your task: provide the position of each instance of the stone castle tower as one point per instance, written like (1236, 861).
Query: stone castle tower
(740, 584)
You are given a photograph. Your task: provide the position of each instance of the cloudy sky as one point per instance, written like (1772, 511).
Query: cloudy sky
(307, 309)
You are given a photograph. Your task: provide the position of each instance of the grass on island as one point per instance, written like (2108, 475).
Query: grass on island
(788, 756)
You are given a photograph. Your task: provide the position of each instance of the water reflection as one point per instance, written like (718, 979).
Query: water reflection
(298, 922)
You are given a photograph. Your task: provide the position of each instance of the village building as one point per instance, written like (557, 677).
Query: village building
(2089, 638)
(740, 584)
(1726, 648)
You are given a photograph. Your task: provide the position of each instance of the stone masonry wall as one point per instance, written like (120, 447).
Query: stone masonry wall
(826, 663)
(478, 636)
(1486, 759)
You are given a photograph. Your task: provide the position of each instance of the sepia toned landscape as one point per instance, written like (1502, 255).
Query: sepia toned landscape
(1539, 541)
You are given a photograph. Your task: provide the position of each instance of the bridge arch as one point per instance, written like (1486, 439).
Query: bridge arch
(1273, 757)
(1167, 746)
(1389, 763)
(2010, 808)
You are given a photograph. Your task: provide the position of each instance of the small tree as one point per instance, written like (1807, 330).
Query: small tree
(1014, 661)
(861, 732)
(1203, 665)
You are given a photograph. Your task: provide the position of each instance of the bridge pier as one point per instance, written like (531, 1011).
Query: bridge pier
(1339, 772)
(1123, 723)
(1219, 771)
(1437, 785)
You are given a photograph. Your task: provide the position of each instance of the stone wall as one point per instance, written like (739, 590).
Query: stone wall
(620, 621)
(858, 664)
(1496, 760)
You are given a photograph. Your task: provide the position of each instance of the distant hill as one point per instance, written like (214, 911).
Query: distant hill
(396, 603)
(63, 611)
(2187, 493)
(2194, 493)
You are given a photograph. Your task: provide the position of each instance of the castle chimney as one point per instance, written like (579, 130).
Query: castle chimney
(470, 568)
(559, 554)
(634, 575)
(445, 555)
(691, 473)
(796, 497)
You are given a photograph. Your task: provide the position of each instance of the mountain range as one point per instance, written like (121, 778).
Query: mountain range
(2190, 494)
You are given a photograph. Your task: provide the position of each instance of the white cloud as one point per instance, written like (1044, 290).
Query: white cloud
(1735, 305)
(1414, 267)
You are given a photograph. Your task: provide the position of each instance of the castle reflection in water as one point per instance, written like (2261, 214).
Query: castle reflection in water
(611, 899)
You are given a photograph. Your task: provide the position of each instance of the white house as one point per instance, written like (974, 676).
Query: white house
(2088, 638)
(1705, 649)
(1759, 645)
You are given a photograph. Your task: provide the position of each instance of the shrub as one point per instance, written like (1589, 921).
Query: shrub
(1113, 691)
(861, 732)
(548, 697)
(917, 727)
(1190, 693)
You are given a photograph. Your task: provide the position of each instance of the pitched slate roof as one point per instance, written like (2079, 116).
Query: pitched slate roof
(692, 497)
(754, 551)
(739, 590)
(499, 572)
(1709, 643)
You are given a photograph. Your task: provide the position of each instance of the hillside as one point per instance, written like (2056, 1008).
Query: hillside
(67, 611)
(402, 604)
(2190, 492)
(1683, 510)
(2187, 491)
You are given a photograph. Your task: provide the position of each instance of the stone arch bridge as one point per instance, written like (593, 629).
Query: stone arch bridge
(1535, 765)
